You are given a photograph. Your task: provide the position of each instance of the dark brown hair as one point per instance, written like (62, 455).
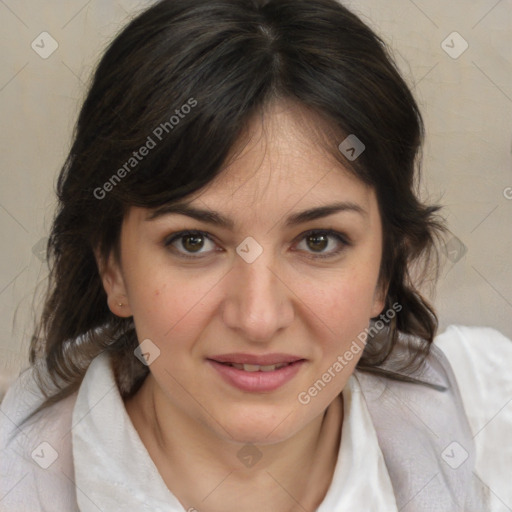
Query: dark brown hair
(225, 60)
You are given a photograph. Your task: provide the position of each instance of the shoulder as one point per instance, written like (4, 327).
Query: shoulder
(36, 464)
(471, 344)
(481, 358)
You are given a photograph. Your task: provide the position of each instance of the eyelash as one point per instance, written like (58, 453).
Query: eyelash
(342, 239)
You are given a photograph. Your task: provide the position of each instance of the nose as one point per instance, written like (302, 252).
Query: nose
(258, 302)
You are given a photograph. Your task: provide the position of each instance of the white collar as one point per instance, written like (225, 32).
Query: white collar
(114, 471)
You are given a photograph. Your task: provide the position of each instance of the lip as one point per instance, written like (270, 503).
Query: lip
(263, 360)
(257, 381)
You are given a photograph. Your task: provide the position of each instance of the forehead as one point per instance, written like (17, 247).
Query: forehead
(281, 158)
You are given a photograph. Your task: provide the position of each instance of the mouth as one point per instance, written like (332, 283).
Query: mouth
(256, 378)
(257, 367)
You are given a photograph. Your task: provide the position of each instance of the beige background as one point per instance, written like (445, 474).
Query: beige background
(466, 101)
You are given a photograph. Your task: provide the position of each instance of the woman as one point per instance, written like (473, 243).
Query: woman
(234, 319)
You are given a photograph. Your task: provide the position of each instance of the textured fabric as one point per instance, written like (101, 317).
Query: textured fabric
(426, 440)
(36, 462)
(391, 431)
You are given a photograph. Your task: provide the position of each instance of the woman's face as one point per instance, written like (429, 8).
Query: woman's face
(270, 281)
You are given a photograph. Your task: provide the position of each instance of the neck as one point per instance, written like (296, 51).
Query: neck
(205, 471)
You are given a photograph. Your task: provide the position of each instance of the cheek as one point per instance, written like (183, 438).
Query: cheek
(168, 304)
(344, 307)
(347, 298)
(346, 314)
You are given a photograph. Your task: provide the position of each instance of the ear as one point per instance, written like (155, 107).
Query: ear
(113, 282)
(379, 299)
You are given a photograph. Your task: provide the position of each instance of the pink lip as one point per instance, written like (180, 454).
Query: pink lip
(263, 360)
(257, 381)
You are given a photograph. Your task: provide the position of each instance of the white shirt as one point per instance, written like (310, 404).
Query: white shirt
(69, 445)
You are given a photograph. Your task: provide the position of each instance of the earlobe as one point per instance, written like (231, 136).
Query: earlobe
(114, 285)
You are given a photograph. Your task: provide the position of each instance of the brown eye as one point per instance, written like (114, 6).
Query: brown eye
(323, 243)
(192, 243)
(318, 242)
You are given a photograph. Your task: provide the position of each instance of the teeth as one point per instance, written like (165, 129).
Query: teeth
(251, 367)
(258, 368)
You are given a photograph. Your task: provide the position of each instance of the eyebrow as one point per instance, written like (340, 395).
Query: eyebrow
(215, 218)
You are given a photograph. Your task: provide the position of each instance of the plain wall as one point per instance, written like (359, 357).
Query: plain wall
(466, 102)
